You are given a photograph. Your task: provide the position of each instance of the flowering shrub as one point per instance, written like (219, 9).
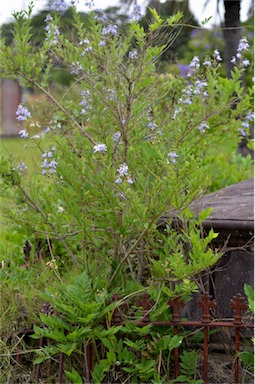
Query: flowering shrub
(127, 148)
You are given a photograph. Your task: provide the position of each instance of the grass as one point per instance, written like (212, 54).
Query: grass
(21, 150)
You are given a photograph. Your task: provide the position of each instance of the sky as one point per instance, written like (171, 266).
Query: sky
(196, 6)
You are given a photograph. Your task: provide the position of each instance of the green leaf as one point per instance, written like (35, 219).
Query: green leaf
(158, 21)
(74, 376)
(249, 291)
(99, 370)
(139, 345)
(39, 360)
(67, 348)
(174, 19)
(111, 356)
(247, 359)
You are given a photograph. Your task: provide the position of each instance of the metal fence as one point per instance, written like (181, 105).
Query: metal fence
(238, 304)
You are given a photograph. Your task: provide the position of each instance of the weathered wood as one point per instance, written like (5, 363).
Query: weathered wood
(232, 215)
(11, 97)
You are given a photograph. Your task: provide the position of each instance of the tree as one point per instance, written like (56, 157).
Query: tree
(232, 23)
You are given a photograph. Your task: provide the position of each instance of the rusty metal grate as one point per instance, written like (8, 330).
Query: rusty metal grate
(238, 304)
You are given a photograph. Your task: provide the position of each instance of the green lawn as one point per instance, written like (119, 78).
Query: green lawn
(23, 150)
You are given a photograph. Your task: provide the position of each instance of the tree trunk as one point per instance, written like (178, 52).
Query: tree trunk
(231, 36)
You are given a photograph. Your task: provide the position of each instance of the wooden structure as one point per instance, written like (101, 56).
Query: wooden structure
(233, 218)
(11, 97)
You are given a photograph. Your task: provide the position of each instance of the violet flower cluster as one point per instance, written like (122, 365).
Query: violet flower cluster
(76, 69)
(133, 54)
(22, 113)
(242, 46)
(173, 157)
(85, 102)
(58, 6)
(123, 174)
(136, 14)
(23, 133)
(198, 88)
(49, 164)
(100, 148)
(52, 30)
(246, 124)
(21, 167)
(88, 48)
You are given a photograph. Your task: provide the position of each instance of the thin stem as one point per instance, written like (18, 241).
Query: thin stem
(58, 235)
(59, 106)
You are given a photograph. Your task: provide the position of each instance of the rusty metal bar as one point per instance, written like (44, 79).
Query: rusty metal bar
(206, 304)
(88, 361)
(146, 304)
(176, 355)
(38, 367)
(216, 324)
(237, 346)
(61, 367)
(205, 365)
(239, 305)
(176, 304)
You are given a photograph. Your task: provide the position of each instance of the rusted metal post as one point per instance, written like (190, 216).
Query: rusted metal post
(38, 367)
(239, 306)
(206, 342)
(88, 361)
(146, 304)
(206, 304)
(176, 355)
(60, 368)
(176, 304)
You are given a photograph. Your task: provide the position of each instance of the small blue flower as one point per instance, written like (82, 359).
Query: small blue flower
(243, 133)
(48, 164)
(250, 116)
(48, 18)
(52, 33)
(245, 124)
(152, 126)
(195, 62)
(203, 126)
(23, 133)
(110, 29)
(76, 68)
(21, 167)
(133, 54)
(100, 16)
(207, 63)
(22, 113)
(216, 55)
(89, 4)
(58, 6)
(116, 137)
(123, 174)
(246, 63)
(100, 148)
(136, 14)
(184, 69)
(123, 170)
(243, 45)
(173, 156)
